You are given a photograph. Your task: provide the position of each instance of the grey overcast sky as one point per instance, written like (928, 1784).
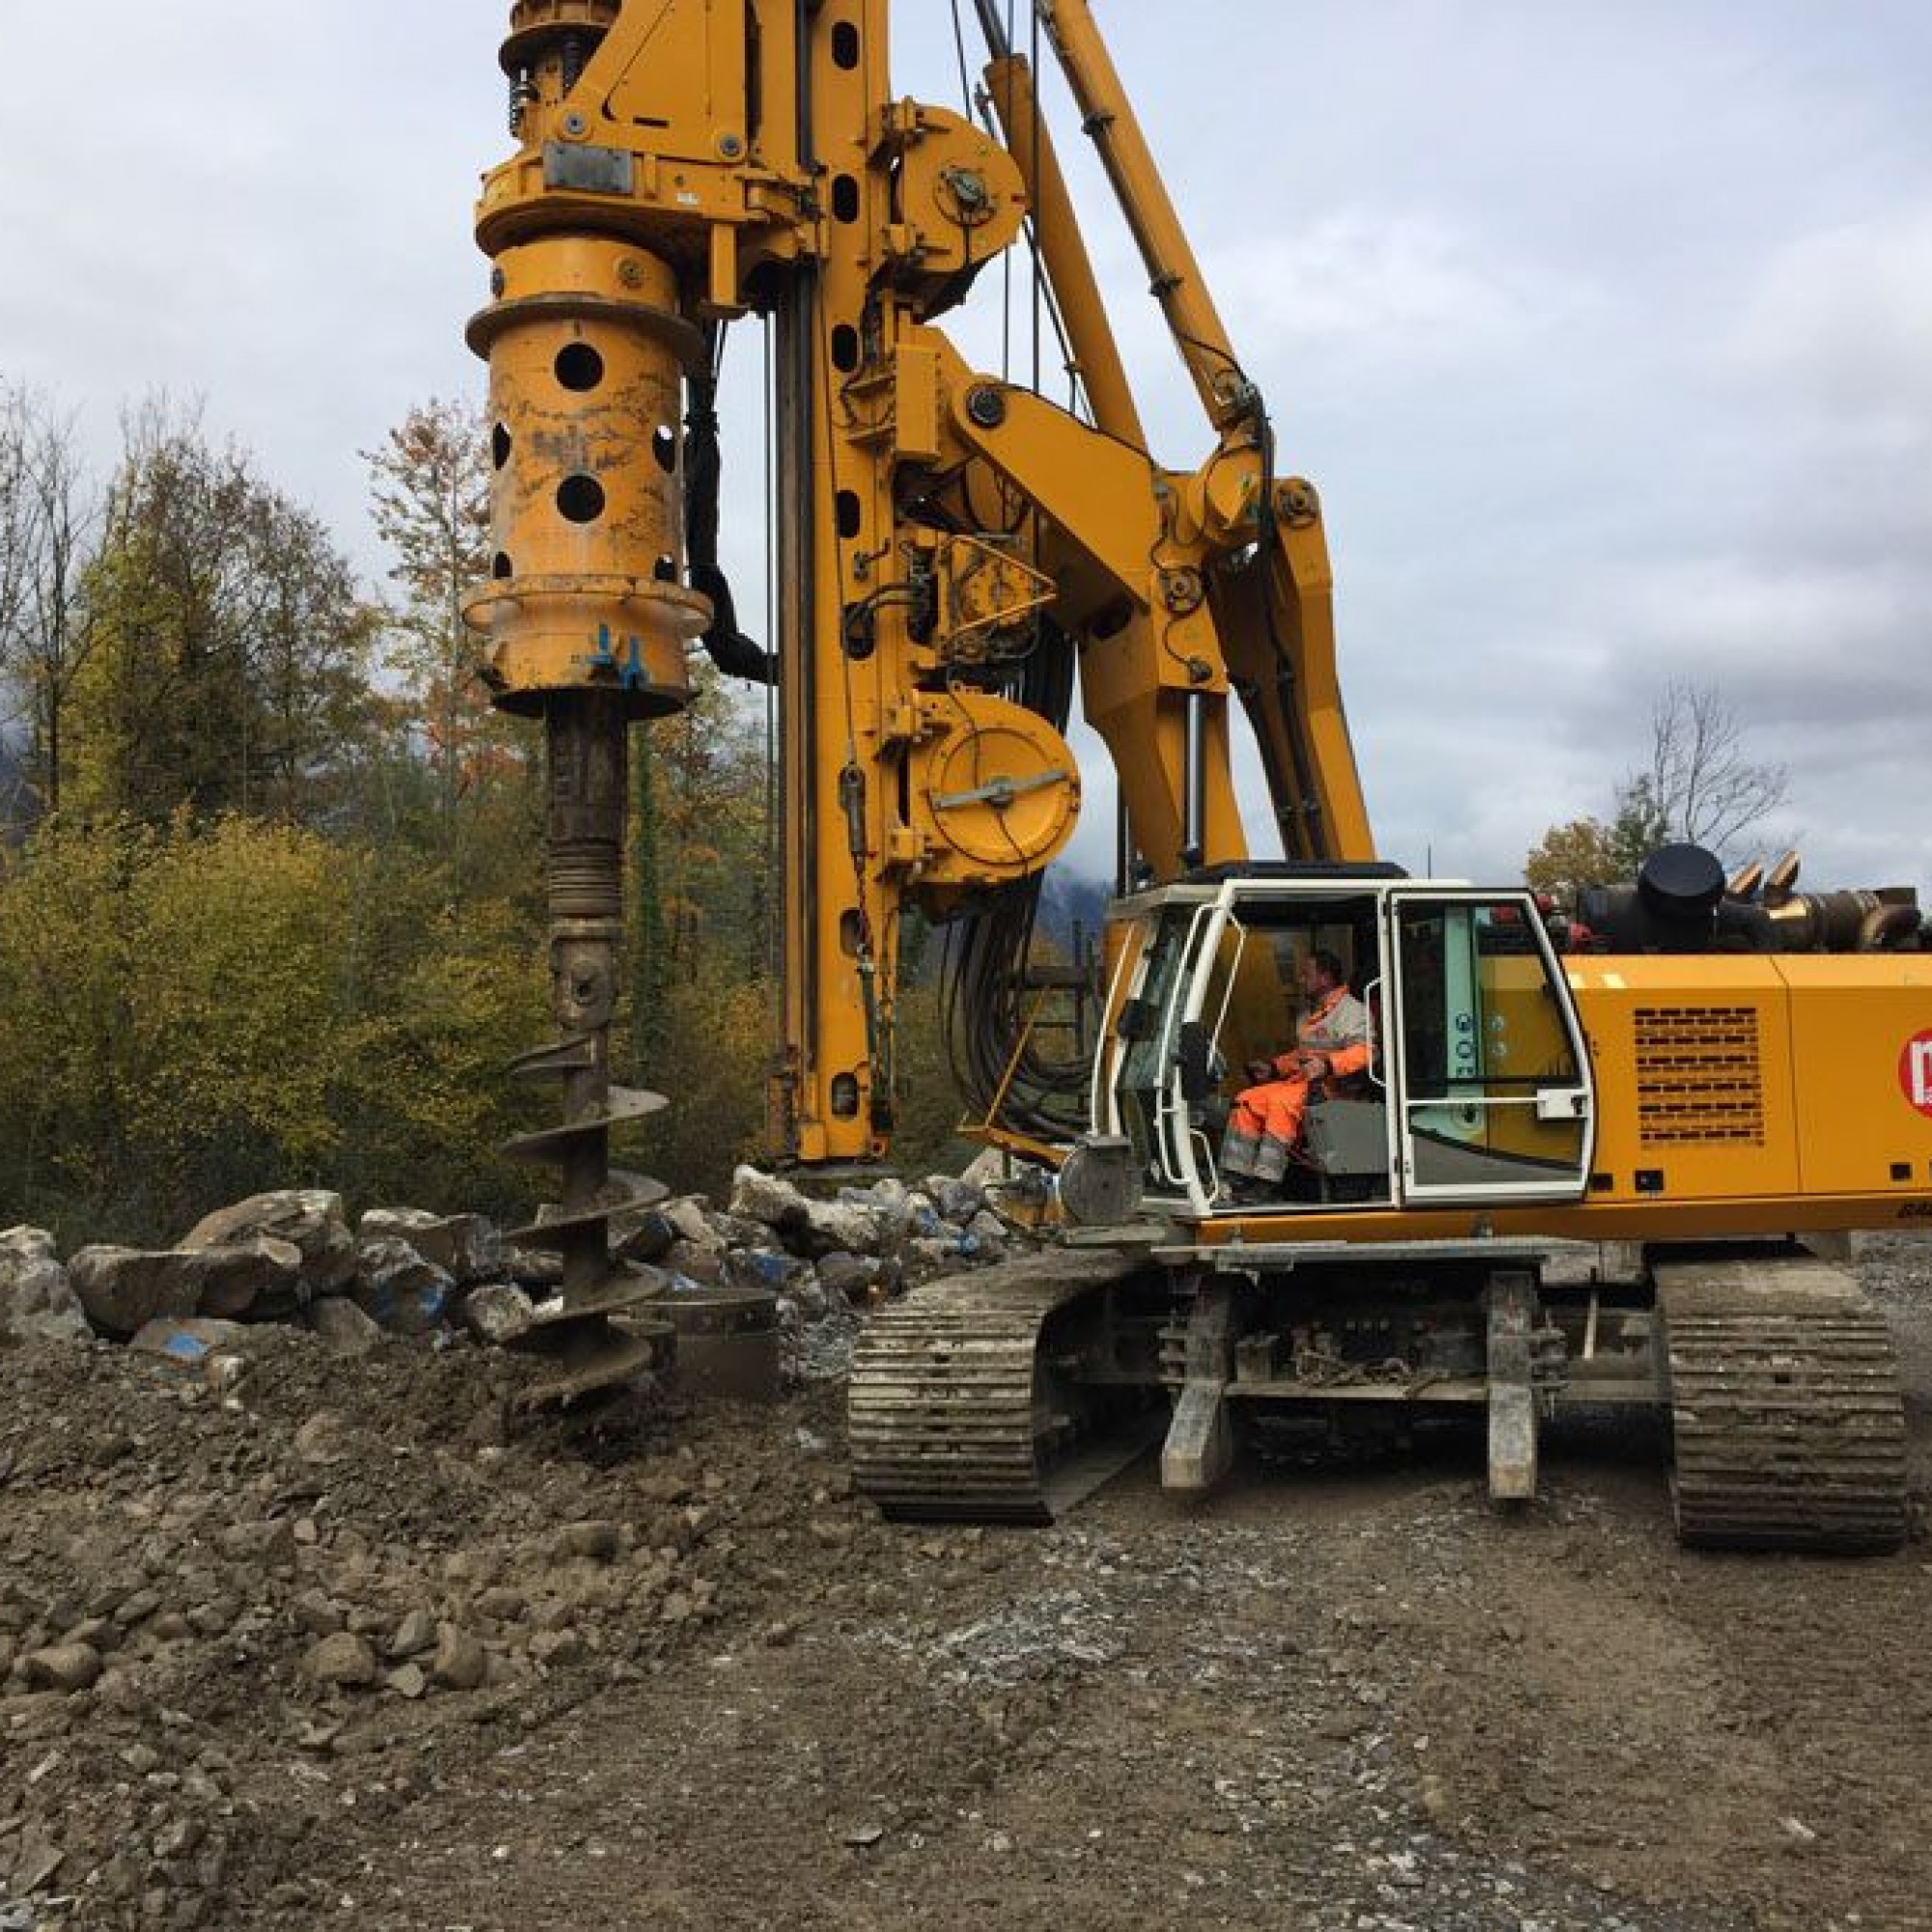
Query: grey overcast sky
(1606, 331)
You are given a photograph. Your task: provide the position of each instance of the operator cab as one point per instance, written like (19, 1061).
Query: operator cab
(1477, 1087)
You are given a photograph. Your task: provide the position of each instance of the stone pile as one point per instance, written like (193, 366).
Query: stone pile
(293, 1257)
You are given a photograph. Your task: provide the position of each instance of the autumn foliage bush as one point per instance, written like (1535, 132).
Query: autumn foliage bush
(192, 1011)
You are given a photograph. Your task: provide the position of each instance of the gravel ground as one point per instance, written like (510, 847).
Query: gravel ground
(322, 1648)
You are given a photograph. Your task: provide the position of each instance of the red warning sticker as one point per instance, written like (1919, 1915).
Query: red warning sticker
(1914, 1072)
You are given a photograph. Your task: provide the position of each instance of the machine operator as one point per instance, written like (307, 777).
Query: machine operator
(1331, 1046)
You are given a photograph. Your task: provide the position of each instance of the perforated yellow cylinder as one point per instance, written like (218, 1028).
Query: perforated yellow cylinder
(585, 350)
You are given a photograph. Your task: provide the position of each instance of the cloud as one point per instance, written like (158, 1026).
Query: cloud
(1816, 639)
(1842, 322)
(1402, 291)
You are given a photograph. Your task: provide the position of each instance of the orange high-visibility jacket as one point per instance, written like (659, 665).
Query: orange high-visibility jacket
(1338, 1029)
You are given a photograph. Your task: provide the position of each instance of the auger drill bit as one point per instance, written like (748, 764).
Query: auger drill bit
(587, 760)
(589, 622)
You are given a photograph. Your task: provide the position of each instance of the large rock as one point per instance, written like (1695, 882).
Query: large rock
(397, 1288)
(533, 1267)
(310, 1218)
(987, 1236)
(916, 1218)
(854, 1224)
(841, 1226)
(343, 1326)
(694, 1264)
(688, 1222)
(125, 1288)
(766, 1198)
(37, 1300)
(653, 1237)
(889, 1196)
(499, 1312)
(735, 1231)
(468, 1247)
(927, 1258)
(959, 1201)
(769, 1269)
(258, 1279)
(187, 1342)
(851, 1278)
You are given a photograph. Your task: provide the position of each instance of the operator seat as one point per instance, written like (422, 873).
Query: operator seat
(1345, 1143)
(1348, 1136)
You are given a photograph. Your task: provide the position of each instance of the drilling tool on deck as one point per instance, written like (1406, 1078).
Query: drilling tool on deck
(587, 622)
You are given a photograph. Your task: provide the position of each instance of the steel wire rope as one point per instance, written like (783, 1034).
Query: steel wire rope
(773, 853)
(1038, 266)
(984, 1020)
(959, 49)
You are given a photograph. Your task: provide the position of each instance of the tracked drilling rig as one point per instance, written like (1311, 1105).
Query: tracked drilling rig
(1717, 1073)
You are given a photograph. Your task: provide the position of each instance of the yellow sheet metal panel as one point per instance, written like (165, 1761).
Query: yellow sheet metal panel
(916, 403)
(1695, 1090)
(1862, 1048)
(682, 76)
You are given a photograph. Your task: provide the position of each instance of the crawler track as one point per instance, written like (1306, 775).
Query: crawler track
(957, 1408)
(1784, 1396)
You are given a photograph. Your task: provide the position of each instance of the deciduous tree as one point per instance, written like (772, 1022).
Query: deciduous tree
(227, 645)
(1569, 857)
(50, 515)
(1700, 783)
(430, 496)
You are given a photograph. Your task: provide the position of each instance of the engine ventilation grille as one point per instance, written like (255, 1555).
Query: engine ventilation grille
(1699, 1081)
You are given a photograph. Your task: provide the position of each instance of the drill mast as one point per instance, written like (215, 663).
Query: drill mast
(955, 553)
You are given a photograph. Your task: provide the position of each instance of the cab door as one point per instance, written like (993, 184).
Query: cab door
(1141, 1089)
(1488, 1061)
